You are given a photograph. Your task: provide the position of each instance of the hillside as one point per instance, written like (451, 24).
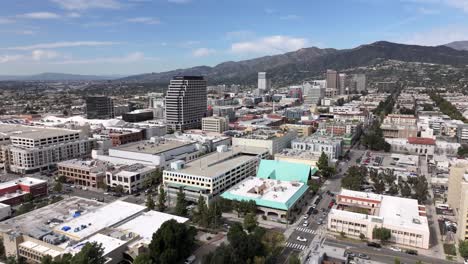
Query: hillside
(50, 76)
(458, 45)
(310, 62)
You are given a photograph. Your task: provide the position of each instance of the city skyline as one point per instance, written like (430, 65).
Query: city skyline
(137, 36)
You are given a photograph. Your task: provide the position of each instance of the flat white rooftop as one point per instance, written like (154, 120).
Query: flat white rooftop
(26, 181)
(39, 248)
(108, 243)
(148, 223)
(361, 195)
(266, 189)
(402, 212)
(92, 222)
(148, 147)
(33, 132)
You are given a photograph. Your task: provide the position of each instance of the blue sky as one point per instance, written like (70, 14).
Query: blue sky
(138, 36)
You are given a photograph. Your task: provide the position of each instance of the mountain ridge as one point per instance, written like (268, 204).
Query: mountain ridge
(54, 76)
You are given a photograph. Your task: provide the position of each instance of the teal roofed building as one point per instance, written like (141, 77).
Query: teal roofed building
(279, 188)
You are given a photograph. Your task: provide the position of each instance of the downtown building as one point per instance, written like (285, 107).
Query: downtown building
(99, 107)
(32, 149)
(186, 102)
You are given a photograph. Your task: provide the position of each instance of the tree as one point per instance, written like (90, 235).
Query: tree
(463, 248)
(393, 190)
(362, 236)
(379, 186)
(142, 259)
(381, 233)
(58, 187)
(201, 215)
(153, 179)
(150, 202)
(91, 253)
(250, 222)
(2, 249)
(28, 198)
(294, 259)
(354, 178)
(172, 243)
(323, 166)
(181, 205)
(397, 261)
(406, 190)
(162, 199)
(119, 189)
(47, 259)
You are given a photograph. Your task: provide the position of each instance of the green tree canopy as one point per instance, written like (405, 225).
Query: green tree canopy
(181, 204)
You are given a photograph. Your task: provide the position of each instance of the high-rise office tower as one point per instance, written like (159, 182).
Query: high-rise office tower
(332, 79)
(99, 107)
(186, 103)
(263, 81)
(342, 83)
(359, 82)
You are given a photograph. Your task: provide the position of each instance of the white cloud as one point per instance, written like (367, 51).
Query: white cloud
(269, 45)
(290, 17)
(40, 15)
(132, 57)
(87, 4)
(10, 58)
(5, 20)
(436, 36)
(203, 52)
(427, 11)
(63, 44)
(144, 20)
(74, 15)
(39, 55)
(458, 4)
(269, 11)
(179, 1)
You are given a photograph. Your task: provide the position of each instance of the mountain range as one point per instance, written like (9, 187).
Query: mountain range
(51, 76)
(299, 65)
(291, 67)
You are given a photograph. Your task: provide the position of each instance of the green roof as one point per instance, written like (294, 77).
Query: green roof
(266, 203)
(283, 171)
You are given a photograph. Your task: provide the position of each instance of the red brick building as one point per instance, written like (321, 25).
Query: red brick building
(13, 192)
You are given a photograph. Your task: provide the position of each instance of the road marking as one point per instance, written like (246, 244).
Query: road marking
(295, 246)
(306, 230)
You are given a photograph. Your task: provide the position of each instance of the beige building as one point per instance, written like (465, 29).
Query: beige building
(458, 196)
(302, 130)
(215, 124)
(274, 140)
(359, 213)
(88, 173)
(298, 156)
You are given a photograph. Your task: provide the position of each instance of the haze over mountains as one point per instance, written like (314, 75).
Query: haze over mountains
(291, 66)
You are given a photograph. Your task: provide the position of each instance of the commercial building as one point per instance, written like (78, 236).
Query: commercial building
(342, 84)
(130, 177)
(317, 144)
(314, 92)
(279, 190)
(357, 213)
(273, 140)
(457, 197)
(124, 136)
(158, 152)
(358, 82)
(299, 156)
(399, 131)
(99, 107)
(263, 82)
(462, 133)
(215, 124)
(302, 130)
(123, 229)
(413, 145)
(214, 173)
(32, 149)
(13, 192)
(87, 173)
(225, 111)
(138, 116)
(332, 79)
(186, 102)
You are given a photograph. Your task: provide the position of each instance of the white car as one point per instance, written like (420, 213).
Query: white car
(305, 217)
(396, 249)
(302, 239)
(305, 224)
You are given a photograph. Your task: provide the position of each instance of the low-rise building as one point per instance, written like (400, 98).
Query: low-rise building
(87, 173)
(279, 190)
(317, 144)
(357, 213)
(298, 156)
(13, 192)
(274, 140)
(215, 124)
(130, 177)
(302, 130)
(214, 173)
(413, 145)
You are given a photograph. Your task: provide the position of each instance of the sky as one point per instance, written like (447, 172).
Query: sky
(125, 37)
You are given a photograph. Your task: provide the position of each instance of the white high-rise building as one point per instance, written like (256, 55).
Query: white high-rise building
(359, 82)
(186, 102)
(314, 92)
(342, 83)
(263, 81)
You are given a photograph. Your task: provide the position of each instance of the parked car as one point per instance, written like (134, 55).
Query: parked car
(305, 224)
(373, 244)
(301, 239)
(363, 256)
(396, 249)
(411, 252)
(305, 216)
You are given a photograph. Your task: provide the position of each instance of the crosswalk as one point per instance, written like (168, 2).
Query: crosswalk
(295, 246)
(308, 230)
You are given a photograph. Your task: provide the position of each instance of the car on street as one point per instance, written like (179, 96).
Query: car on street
(373, 244)
(305, 216)
(305, 224)
(301, 239)
(411, 252)
(396, 249)
(363, 256)
(350, 254)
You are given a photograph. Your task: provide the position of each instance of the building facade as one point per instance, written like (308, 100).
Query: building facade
(186, 102)
(99, 107)
(215, 124)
